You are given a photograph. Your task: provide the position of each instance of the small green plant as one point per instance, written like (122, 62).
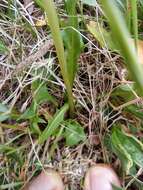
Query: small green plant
(71, 131)
(67, 63)
(53, 124)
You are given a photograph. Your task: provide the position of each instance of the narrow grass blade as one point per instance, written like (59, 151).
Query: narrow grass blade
(121, 35)
(53, 124)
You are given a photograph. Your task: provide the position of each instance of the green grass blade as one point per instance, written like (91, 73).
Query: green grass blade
(121, 35)
(134, 20)
(53, 124)
(49, 7)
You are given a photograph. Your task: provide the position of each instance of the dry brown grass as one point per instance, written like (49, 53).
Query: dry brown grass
(98, 74)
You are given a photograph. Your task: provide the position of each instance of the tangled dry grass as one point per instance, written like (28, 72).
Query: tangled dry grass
(31, 56)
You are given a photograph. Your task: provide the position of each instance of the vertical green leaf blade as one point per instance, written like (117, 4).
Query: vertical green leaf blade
(53, 124)
(121, 34)
(72, 39)
(49, 7)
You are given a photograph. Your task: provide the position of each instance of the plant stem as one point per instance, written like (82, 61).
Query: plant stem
(53, 22)
(129, 15)
(134, 20)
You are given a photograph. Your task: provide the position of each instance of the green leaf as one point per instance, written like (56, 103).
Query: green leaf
(122, 37)
(53, 124)
(30, 112)
(34, 126)
(101, 35)
(41, 93)
(40, 3)
(128, 148)
(3, 108)
(125, 91)
(135, 110)
(74, 133)
(53, 21)
(4, 117)
(4, 112)
(3, 47)
(72, 39)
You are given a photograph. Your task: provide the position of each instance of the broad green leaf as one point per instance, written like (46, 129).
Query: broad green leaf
(30, 112)
(128, 148)
(34, 126)
(41, 93)
(53, 124)
(4, 112)
(74, 133)
(124, 91)
(136, 110)
(101, 35)
(3, 108)
(89, 2)
(72, 39)
(4, 117)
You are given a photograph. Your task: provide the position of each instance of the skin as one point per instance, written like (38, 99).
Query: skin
(101, 177)
(47, 180)
(98, 177)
